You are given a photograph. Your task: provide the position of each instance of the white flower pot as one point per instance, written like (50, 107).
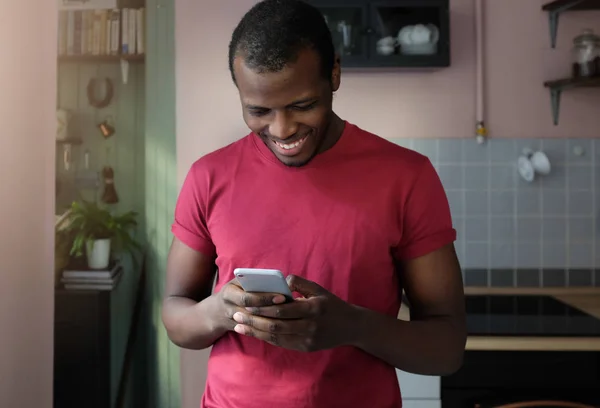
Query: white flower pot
(98, 253)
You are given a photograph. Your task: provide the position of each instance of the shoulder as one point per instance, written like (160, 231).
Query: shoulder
(220, 160)
(389, 156)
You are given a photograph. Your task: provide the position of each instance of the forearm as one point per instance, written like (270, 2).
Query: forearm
(190, 324)
(429, 347)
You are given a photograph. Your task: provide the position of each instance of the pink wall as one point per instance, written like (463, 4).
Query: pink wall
(409, 104)
(27, 115)
(519, 60)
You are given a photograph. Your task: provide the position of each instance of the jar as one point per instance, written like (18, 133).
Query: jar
(586, 54)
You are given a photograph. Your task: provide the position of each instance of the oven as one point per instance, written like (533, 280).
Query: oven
(520, 379)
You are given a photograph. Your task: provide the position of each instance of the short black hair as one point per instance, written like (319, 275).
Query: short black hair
(273, 32)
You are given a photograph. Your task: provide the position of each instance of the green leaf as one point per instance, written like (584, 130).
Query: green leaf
(89, 222)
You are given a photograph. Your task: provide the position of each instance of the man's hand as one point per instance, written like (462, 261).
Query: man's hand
(233, 299)
(195, 318)
(317, 321)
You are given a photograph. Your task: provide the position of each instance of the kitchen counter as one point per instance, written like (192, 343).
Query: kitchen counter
(586, 299)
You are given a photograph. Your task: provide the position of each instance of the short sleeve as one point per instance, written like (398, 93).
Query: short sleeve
(190, 223)
(426, 219)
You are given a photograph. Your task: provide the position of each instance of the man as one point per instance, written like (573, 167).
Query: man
(350, 218)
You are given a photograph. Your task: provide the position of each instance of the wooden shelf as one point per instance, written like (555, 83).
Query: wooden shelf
(559, 85)
(69, 142)
(567, 83)
(555, 8)
(99, 59)
(571, 5)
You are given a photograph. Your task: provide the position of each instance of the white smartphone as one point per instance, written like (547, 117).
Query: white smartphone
(263, 280)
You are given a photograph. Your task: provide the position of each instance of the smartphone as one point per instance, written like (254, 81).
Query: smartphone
(263, 280)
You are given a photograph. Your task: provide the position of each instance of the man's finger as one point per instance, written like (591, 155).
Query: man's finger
(298, 326)
(249, 331)
(289, 341)
(298, 309)
(236, 295)
(303, 286)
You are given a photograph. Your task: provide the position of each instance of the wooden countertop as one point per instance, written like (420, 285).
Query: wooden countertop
(586, 299)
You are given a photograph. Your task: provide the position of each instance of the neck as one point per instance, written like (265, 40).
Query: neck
(332, 134)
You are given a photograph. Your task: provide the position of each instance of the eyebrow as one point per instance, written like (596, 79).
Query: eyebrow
(298, 102)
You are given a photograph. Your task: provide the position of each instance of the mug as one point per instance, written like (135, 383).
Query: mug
(106, 129)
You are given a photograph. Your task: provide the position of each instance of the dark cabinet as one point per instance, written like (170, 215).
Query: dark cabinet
(82, 349)
(495, 379)
(370, 34)
(348, 22)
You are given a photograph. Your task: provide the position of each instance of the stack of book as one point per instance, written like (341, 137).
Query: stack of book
(83, 278)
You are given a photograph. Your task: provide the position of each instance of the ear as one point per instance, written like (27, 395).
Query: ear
(336, 74)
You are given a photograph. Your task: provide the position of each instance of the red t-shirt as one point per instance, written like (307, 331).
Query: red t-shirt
(336, 221)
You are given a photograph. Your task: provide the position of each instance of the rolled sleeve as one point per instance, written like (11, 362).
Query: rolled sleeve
(190, 223)
(426, 218)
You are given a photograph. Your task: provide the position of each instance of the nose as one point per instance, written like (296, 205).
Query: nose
(283, 126)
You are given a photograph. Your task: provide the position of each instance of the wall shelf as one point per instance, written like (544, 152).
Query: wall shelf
(69, 141)
(558, 86)
(557, 7)
(99, 59)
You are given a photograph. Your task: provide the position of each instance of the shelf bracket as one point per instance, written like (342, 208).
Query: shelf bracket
(553, 17)
(555, 99)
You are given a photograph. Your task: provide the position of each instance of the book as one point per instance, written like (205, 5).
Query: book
(99, 32)
(82, 271)
(90, 283)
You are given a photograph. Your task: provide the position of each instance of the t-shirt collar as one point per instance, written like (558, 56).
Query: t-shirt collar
(322, 158)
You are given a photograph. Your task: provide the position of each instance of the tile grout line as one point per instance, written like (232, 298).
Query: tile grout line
(515, 191)
(567, 213)
(463, 221)
(593, 153)
(515, 218)
(488, 220)
(542, 252)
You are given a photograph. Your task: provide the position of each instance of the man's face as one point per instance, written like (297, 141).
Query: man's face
(290, 110)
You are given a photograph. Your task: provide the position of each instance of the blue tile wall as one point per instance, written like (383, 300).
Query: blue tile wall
(514, 233)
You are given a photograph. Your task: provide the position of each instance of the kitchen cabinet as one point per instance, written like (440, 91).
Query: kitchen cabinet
(419, 391)
(497, 378)
(358, 25)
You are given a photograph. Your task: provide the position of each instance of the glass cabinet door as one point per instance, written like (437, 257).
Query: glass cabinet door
(347, 21)
(410, 33)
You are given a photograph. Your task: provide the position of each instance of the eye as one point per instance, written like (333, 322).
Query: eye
(258, 112)
(305, 107)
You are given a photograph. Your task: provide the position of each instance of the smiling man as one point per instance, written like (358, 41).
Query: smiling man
(351, 218)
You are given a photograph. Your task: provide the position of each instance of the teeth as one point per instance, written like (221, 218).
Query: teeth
(290, 145)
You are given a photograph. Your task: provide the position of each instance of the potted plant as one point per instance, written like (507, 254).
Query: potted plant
(97, 232)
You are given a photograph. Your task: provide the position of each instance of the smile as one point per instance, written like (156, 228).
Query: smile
(289, 149)
(290, 146)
